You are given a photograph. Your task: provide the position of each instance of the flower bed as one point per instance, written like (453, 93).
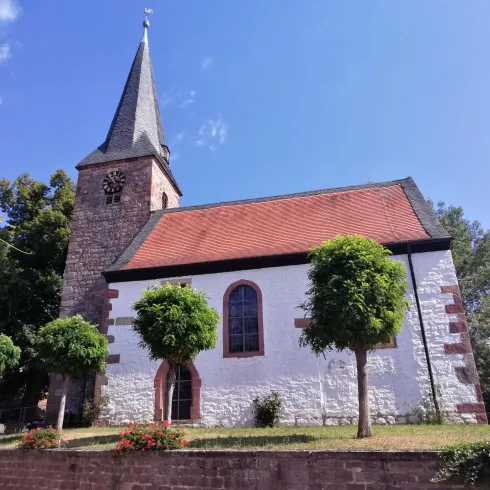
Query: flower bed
(42, 439)
(155, 437)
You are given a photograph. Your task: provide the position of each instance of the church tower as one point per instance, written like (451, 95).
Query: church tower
(119, 184)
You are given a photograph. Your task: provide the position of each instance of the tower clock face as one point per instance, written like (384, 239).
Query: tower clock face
(113, 182)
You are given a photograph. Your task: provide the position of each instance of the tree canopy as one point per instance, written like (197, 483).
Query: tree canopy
(37, 225)
(356, 300)
(9, 353)
(72, 347)
(356, 295)
(175, 323)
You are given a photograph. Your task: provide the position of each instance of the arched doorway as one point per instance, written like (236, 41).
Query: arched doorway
(187, 394)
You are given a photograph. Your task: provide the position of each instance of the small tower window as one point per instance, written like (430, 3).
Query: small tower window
(112, 199)
(164, 201)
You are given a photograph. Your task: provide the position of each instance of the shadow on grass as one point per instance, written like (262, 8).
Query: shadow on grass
(251, 441)
(9, 439)
(93, 441)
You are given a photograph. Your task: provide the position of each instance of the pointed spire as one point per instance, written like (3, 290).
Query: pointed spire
(136, 128)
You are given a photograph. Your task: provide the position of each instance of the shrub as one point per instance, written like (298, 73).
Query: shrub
(91, 410)
(470, 462)
(267, 410)
(42, 439)
(155, 437)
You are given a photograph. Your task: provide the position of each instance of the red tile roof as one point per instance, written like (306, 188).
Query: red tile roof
(282, 225)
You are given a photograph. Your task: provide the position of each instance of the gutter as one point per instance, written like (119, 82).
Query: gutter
(422, 329)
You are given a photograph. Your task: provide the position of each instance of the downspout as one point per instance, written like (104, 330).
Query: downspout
(422, 329)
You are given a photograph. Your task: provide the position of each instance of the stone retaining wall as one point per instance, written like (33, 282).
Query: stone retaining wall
(209, 470)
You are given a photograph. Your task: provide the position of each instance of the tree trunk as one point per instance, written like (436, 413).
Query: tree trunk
(364, 427)
(169, 391)
(61, 412)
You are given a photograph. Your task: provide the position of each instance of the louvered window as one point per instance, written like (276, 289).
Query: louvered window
(112, 199)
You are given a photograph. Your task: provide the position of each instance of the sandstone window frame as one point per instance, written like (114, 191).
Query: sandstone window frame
(226, 326)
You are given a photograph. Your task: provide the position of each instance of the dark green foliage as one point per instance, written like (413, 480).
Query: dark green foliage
(92, 409)
(356, 295)
(72, 347)
(175, 323)
(469, 462)
(471, 255)
(9, 353)
(267, 410)
(37, 222)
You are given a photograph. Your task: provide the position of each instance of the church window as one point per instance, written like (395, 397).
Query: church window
(242, 320)
(182, 398)
(164, 201)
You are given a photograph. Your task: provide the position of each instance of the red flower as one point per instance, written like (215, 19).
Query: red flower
(165, 423)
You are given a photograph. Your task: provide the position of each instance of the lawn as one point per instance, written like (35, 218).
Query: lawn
(400, 437)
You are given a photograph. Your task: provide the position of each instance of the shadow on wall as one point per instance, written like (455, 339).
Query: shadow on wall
(252, 441)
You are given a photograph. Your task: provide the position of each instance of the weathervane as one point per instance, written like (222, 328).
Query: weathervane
(148, 11)
(146, 24)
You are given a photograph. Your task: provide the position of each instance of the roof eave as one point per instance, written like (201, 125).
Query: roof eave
(259, 262)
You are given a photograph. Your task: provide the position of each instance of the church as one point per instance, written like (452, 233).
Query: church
(250, 257)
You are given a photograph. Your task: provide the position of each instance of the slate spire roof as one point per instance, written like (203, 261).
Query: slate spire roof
(136, 128)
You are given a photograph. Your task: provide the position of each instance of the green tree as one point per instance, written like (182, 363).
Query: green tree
(72, 348)
(32, 259)
(356, 300)
(471, 254)
(175, 324)
(9, 353)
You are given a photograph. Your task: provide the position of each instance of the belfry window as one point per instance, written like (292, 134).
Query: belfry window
(112, 198)
(164, 201)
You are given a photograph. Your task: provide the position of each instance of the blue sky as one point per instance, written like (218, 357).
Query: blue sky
(260, 97)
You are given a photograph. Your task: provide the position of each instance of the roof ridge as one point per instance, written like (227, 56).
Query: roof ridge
(331, 190)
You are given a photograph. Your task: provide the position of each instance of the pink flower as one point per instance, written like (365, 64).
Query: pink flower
(43, 446)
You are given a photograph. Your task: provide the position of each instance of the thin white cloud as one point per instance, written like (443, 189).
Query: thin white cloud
(166, 100)
(212, 133)
(9, 10)
(179, 137)
(207, 63)
(5, 53)
(187, 102)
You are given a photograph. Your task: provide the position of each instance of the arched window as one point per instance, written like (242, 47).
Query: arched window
(182, 398)
(242, 321)
(164, 201)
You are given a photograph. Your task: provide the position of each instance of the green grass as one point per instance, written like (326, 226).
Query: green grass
(400, 437)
